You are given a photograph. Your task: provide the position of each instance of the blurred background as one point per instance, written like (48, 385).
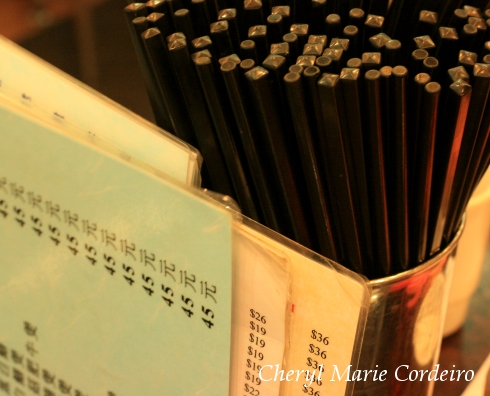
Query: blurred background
(87, 39)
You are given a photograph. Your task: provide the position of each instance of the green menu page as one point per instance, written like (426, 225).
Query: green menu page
(113, 281)
(27, 79)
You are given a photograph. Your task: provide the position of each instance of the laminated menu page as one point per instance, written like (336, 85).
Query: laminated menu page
(27, 79)
(113, 279)
(297, 317)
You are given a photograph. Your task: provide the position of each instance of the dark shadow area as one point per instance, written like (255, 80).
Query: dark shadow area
(119, 76)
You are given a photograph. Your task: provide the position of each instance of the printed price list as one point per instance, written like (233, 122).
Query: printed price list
(315, 363)
(256, 352)
(91, 244)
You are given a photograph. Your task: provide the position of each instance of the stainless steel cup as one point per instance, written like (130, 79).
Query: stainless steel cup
(404, 328)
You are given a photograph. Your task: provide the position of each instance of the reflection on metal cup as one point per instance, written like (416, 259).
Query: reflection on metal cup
(404, 328)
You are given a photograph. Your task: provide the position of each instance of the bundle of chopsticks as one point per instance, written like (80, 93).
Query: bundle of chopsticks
(356, 128)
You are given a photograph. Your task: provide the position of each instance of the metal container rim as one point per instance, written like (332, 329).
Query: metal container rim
(432, 262)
